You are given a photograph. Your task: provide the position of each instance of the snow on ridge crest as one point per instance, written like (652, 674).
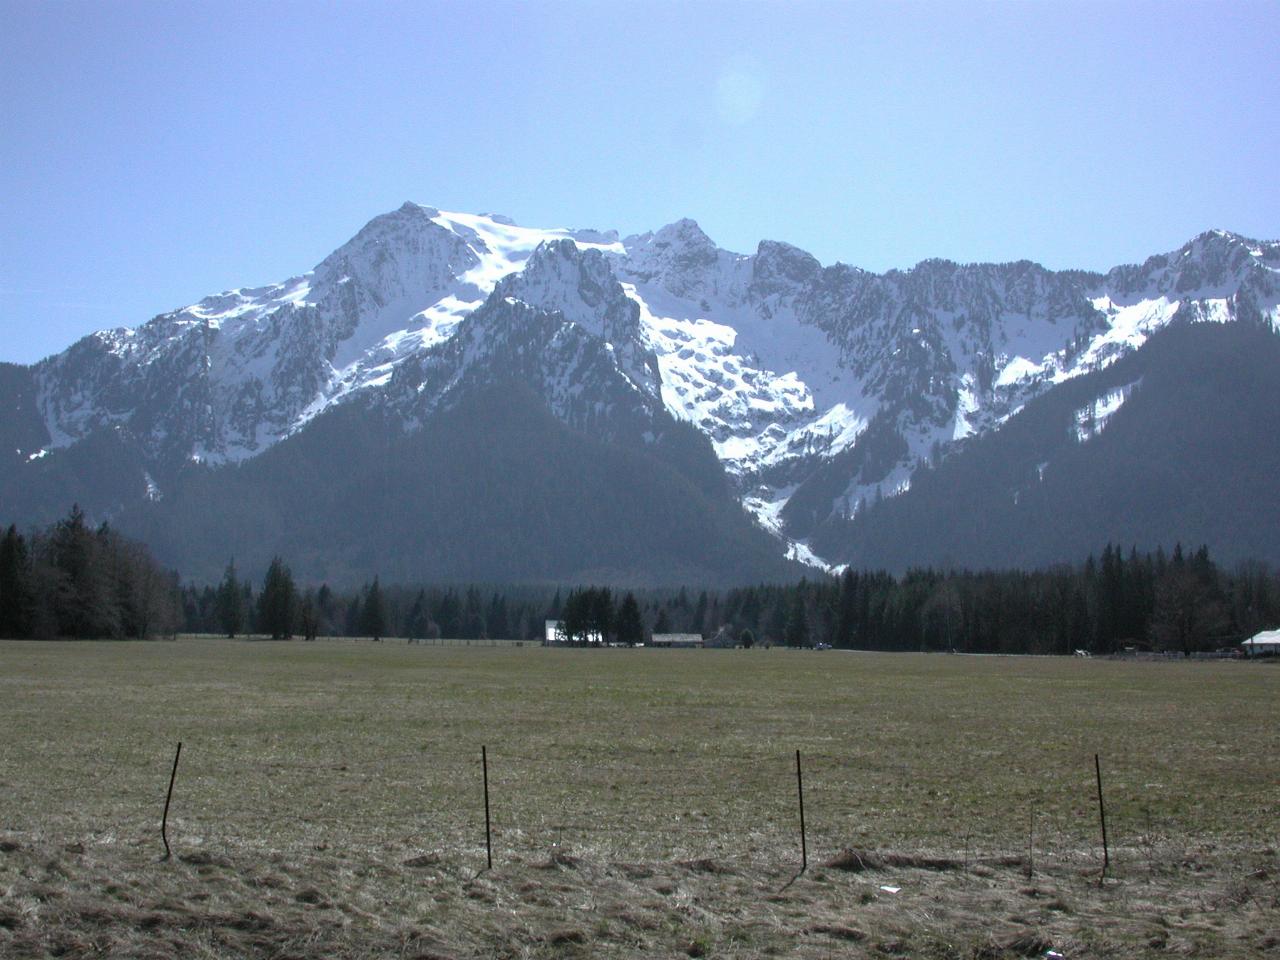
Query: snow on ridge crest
(781, 361)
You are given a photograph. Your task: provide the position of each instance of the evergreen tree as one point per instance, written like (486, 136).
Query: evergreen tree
(697, 622)
(776, 622)
(230, 603)
(751, 609)
(473, 625)
(277, 605)
(416, 625)
(600, 612)
(941, 615)
(85, 603)
(575, 618)
(496, 622)
(15, 585)
(373, 613)
(249, 605)
(309, 615)
(448, 615)
(846, 611)
(74, 582)
(630, 624)
(663, 622)
(797, 629)
(1190, 607)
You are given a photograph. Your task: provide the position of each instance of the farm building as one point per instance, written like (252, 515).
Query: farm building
(552, 637)
(676, 640)
(1268, 641)
(724, 639)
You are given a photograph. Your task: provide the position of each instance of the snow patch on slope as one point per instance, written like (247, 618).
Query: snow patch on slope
(764, 386)
(1091, 419)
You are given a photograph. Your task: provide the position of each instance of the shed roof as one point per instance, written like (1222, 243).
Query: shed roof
(1265, 638)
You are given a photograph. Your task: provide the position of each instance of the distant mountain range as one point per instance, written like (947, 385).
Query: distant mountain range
(452, 396)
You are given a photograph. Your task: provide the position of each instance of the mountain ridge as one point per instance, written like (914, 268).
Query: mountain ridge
(783, 364)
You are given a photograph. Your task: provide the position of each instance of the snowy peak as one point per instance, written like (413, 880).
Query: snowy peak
(395, 266)
(682, 260)
(580, 285)
(396, 253)
(682, 235)
(781, 269)
(227, 377)
(1214, 265)
(583, 379)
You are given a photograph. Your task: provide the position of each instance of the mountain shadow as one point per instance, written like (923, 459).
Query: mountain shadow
(494, 489)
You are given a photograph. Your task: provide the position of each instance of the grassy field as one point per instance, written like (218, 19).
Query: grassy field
(329, 803)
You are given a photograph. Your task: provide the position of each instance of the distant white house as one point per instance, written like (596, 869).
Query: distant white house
(552, 637)
(1268, 641)
(685, 640)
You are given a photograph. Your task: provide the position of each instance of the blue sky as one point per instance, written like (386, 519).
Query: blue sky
(152, 153)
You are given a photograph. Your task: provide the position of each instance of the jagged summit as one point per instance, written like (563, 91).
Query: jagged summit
(1231, 236)
(434, 211)
(409, 207)
(684, 231)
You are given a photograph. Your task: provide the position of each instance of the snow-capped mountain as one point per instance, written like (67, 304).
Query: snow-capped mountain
(227, 377)
(819, 388)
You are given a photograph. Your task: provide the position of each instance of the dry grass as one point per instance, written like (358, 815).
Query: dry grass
(329, 803)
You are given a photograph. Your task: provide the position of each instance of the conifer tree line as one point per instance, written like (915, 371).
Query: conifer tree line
(279, 608)
(74, 580)
(1180, 602)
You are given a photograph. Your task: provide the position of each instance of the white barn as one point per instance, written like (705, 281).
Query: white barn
(685, 640)
(1268, 641)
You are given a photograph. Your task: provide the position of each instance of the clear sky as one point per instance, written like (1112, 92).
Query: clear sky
(155, 152)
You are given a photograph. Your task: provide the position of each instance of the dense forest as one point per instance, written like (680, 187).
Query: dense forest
(71, 580)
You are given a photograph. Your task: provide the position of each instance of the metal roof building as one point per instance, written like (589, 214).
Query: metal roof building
(1268, 641)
